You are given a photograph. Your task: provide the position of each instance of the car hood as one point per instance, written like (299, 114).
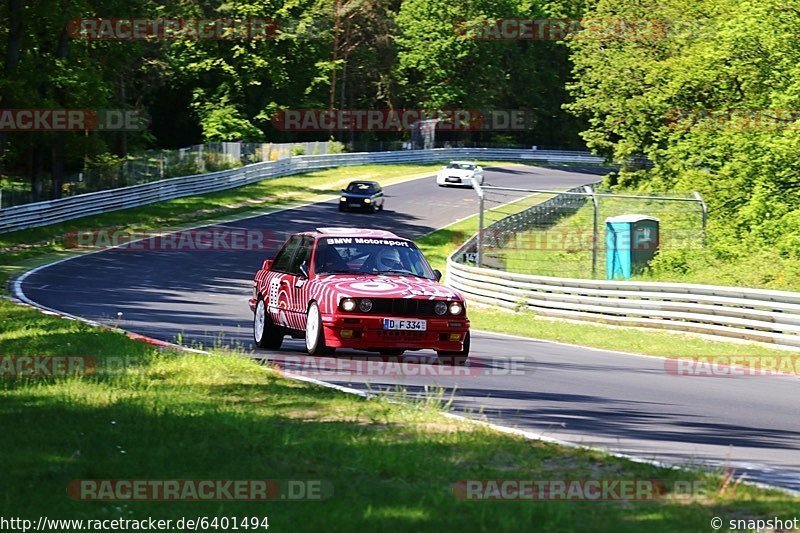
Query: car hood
(357, 286)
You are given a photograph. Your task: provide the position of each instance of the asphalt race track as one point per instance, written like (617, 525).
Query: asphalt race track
(623, 403)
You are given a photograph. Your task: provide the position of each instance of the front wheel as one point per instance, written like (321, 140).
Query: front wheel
(265, 333)
(315, 335)
(455, 358)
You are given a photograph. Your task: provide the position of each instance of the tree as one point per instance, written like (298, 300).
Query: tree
(709, 101)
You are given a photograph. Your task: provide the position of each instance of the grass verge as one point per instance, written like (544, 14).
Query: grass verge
(631, 340)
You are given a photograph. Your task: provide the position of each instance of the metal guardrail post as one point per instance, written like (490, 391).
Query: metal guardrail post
(595, 206)
(479, 192)
(479, 257)
(704, 209)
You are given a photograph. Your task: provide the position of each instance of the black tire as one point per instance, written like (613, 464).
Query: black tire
(381, 207)
(265, 333)
(392, 353)
(315, 335)
(455, 358)
(341, 207)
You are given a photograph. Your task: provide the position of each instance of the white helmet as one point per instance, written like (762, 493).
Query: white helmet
(389, 259)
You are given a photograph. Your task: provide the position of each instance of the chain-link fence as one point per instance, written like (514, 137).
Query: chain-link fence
(563, 234)
(160, 164)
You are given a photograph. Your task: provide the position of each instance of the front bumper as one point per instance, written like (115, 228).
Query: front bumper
(456, 180)
(356, 203)
(365, 332)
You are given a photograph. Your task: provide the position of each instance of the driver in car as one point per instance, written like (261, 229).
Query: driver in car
(389, 259)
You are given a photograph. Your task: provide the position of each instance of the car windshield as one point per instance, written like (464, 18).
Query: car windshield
(461, 166)
(363, 188)
(371, 256)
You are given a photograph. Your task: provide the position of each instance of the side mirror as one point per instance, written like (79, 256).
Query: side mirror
(304, 269)
(267, 264)
(344, 190)
(437, 274)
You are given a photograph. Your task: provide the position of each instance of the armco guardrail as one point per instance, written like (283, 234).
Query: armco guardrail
(751, 314)
(49, 212)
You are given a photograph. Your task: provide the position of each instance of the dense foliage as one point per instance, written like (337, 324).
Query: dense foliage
(712, 100)
(325, 54)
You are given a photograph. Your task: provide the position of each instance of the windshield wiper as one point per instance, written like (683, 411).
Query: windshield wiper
(404, 272)
(374, 273)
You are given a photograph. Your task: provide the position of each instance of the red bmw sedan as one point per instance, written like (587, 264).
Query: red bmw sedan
(360, 289)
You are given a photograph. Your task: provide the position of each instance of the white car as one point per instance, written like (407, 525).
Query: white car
(459, 173)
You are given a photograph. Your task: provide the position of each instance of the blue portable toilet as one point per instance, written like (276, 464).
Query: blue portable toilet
(631, 242)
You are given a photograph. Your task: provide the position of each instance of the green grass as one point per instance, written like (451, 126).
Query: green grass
(564, 249)
(440, 244)
(222, 416)
(631, 340)
(761, 268)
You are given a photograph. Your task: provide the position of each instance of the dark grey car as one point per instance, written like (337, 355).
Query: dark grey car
(364, 195)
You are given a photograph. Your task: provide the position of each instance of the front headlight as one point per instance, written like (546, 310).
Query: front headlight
(365, 305)
(456, 308)
(347, 304)
(367, 201)
(440, 308)
(342, 199)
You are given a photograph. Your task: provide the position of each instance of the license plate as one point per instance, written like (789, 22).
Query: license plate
(453, 180)
(355, 204)
(405, 324)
